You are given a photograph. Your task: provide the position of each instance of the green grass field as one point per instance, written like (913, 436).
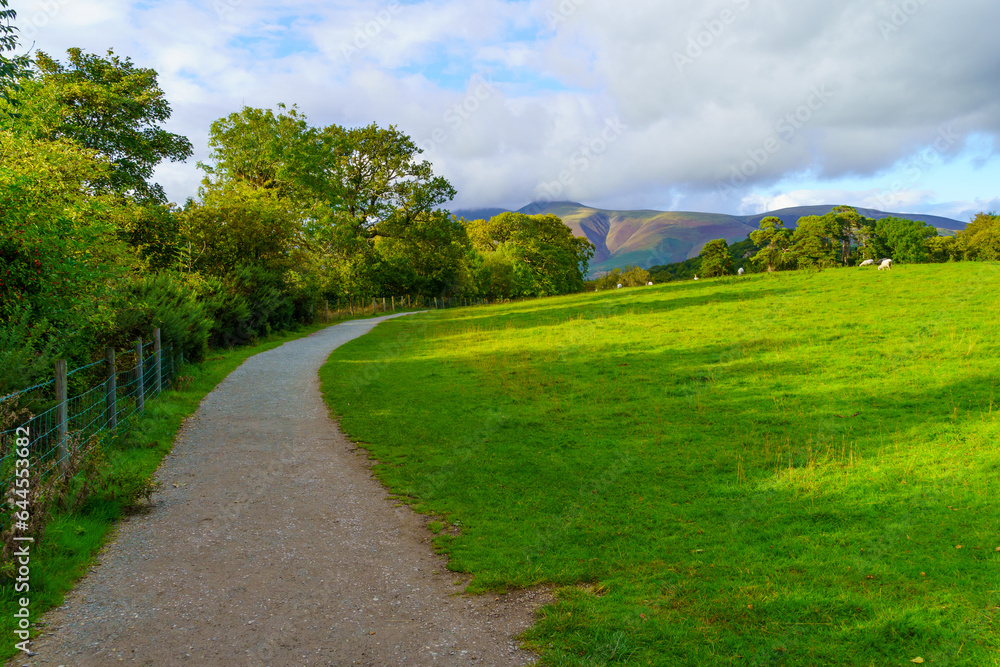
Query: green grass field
(794, 469)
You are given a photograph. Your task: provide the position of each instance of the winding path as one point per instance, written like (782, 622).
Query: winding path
(271, 544)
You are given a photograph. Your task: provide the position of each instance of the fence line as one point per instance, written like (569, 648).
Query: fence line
(97, 411)
(123, 393)
(359, 306)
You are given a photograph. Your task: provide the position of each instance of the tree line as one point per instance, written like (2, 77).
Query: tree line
(289, 216)
(842, 237)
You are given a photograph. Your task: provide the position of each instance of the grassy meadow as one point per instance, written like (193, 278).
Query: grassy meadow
(799, 468)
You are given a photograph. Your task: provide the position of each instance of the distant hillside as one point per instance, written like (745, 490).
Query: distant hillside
(648, 238)
(791, 215)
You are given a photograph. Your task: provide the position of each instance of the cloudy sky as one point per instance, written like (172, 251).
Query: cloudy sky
(734, 106)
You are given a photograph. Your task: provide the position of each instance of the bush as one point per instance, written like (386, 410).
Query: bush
(26, 352)
(169, 302)
(630, 276)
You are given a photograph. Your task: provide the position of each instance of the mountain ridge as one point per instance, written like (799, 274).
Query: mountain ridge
(648, 237)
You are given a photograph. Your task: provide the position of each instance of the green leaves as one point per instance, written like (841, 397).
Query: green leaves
(112, 107)
(364, 211)
(539, 246)
(773, 240)
(715, 259)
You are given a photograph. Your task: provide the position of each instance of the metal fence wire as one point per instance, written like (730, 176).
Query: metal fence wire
(98, 411)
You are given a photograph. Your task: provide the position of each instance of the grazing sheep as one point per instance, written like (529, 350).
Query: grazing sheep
(619, 285)
(867, 262)
(740, 272)
(649, 284)
(886, 264)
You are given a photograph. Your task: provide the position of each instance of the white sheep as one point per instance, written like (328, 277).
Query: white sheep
(867, 262)
(696, 276)
(740, 272)
(649, 284)
(619, 285)
(886, 264)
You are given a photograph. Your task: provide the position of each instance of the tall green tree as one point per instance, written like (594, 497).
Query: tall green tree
(715, 259)
(815, 241)
(980, 240)
(846, 227)
(773, 240)
(275, 151)
(59, 254)
(110, 106)
(368, 209)
(904, 240)
(543, 243)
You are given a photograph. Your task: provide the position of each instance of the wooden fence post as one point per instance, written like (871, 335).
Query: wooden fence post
(62, 413)
(140, 393)
(156, 361)
(111, 402)
(393, 300)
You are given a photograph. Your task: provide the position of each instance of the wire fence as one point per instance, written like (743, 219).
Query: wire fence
(100, 410)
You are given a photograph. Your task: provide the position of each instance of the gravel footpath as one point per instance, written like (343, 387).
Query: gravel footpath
(271, 544)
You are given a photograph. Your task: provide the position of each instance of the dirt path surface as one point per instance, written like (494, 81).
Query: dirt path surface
(271, 544)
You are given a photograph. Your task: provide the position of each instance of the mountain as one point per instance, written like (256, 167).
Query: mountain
(648, 238)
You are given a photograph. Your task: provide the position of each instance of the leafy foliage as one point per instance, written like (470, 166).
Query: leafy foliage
(541, 246)
(114, 108)
(12, 70)
(715, 259)
(903, 240)
(773, 240)
(980, 240)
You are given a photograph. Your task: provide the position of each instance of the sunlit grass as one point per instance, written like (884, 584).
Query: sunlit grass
(791, 469)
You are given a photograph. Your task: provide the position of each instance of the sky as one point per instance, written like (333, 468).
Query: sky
(728, 106)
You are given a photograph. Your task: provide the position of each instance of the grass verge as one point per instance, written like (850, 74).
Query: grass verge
(72, 540)
(799, 468)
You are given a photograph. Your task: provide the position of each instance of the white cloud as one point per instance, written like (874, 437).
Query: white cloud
(711, 92)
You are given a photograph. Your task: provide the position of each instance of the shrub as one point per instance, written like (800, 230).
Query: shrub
(165, 301)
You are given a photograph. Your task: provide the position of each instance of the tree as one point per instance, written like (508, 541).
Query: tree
(367, 209)
(275, 151)
(237, 227)
(980, 240)
(557, 260)
(813, 242)
(904, 240)
(773, 240)
(112, 107)
(12, 70)
(715, 259)
(846, 225)
(430, 256)
(943, 249)
(59, 253)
